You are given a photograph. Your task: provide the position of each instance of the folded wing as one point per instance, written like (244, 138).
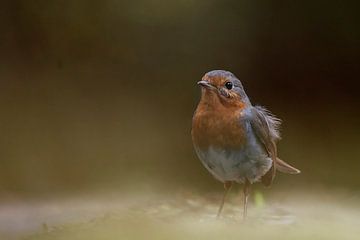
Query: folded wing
(266, 128)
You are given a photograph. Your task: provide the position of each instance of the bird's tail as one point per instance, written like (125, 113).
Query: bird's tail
(285, 167)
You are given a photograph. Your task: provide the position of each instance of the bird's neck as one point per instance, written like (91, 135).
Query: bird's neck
(210, 100)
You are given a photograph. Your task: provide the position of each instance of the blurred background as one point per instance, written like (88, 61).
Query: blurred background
(99, 95)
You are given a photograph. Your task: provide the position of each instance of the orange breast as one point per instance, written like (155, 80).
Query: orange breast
(218, 126)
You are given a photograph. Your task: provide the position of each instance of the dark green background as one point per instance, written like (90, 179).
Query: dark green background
(100, 94)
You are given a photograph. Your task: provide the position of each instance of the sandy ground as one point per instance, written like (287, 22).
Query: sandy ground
(184, 215)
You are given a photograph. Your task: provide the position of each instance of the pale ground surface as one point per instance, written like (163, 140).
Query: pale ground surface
(185, 215)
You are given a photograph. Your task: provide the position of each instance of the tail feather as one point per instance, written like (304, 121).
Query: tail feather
(285, 167)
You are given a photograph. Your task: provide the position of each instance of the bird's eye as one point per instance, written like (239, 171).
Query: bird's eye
(229, 85)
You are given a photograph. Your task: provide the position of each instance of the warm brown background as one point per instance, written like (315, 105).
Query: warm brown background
(100, 94)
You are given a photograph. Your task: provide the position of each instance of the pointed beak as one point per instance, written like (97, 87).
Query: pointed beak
(205, 84)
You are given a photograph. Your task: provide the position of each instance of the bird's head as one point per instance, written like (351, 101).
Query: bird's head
(223, 85)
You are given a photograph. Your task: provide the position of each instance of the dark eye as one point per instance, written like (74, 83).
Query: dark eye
(229, 85)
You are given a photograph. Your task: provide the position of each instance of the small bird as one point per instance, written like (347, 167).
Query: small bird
(235, 141)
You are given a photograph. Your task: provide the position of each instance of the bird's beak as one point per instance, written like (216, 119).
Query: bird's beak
(205, 84)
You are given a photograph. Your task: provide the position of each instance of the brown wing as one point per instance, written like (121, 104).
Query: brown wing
(265, 126)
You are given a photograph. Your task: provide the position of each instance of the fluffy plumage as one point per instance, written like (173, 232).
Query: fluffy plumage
(235, 141)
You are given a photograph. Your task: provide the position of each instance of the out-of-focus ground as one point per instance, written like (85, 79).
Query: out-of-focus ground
(283, 215)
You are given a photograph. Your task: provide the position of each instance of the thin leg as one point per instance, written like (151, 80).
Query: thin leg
(246, 196)
(227, 187)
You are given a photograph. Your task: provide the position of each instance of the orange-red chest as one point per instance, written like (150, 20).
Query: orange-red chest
(218, 126)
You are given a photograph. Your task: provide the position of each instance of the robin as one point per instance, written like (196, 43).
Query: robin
(235, 141)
